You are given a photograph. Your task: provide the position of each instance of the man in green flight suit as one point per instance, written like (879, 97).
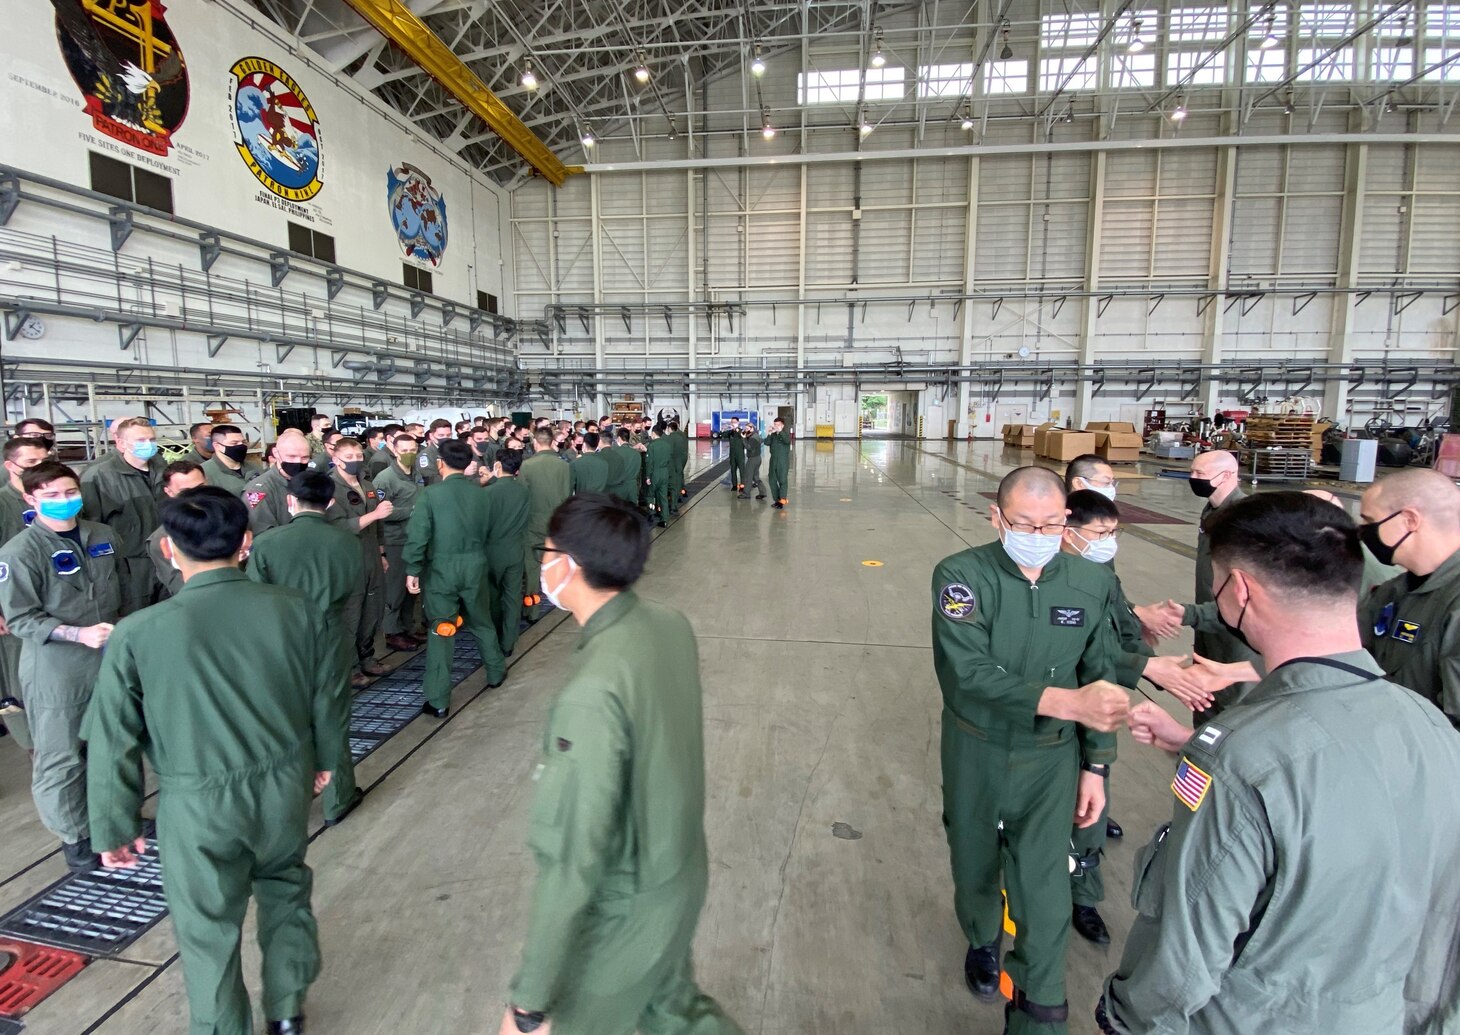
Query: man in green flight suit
(322, 561)
(591, 470)
(399, 483)
(178, 477)
(265, 496)
(121, 490)
(1411, 624)
(510, 507)
(630, 458)
(1016, 624)
(617, 822)
(751, 467)
(779, 441)
(21, 454)
(736, 438)
(549, 481)
(384, 456)
(235, 766)
(660, 461)
(58, 592)
(1238, 929)
(230, 468)
(677, 467)
(359, 510)
(446, 563)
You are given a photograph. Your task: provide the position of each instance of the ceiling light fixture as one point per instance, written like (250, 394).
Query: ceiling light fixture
(529, 78)
(1405, 39)
(641, 71)
(1008, 52)
(878, 58)
(766, 129)
(1178, 113)
(1288, 106)
(967, 123)
(1136, 43)
(588, 139)
(1270, 40)
(757, 65)
(864, 127)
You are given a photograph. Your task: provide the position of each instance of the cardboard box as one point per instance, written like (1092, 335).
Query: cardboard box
(1111, 425)
(1118, 447)
(1041, 433)
(1066, 445)
(1021, 436)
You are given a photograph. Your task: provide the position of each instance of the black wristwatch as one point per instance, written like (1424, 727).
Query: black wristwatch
(527, 1020)
(1098, 770)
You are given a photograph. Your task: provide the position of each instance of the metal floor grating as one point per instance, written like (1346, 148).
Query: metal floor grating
(97, 913)
(9, 1027)
(393, 701)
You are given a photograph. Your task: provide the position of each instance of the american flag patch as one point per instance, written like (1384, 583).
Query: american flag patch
(1191, 785)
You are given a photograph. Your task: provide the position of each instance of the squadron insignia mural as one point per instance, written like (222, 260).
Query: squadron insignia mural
(418, 213)
(275, 129)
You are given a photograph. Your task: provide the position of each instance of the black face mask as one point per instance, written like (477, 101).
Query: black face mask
(47, 439)
(1202, 487)
(353, 467)
(1382, 551)
(236, 453)
(288, 468)
(1235, 630)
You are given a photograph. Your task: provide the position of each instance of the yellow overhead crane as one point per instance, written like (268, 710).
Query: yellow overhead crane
(397, 23)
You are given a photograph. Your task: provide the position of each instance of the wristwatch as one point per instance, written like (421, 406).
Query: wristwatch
(527, 1020)
(1098, 770)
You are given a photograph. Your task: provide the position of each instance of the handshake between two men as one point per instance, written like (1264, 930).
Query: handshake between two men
(1190, 678)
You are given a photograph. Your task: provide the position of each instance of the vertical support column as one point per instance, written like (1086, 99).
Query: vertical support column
(965, 340)
(1350, 241)
(594, 228)
(1214, 326)
(805, 422)
(1090, 305)
(689, 295)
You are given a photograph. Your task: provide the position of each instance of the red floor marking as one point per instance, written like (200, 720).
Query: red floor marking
(37, 971)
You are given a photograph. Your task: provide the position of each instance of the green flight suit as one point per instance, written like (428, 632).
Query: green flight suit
(46, 581)
(125, 498)
(680, 441)
(510, 505)
(366, 608)
(322, 561)
(401, 488)
(224, 477)
(737, 457)
(751, 467)
(643, 495)
(549, 482)
(169, 579)
(590, 473)
(660, 461)
(446, 548)
(780, 447)
(1212, 639)
(235, 769)
(1258, 907)
(193, 456)
(15, 515)
(624, 472)
(617, 829)
(1412, 627)
(377, 461)
(267, 499)
(1009, 775)
(426, 459)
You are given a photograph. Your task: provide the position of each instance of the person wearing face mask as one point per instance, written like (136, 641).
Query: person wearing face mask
(1093, 532)
(230, 467)
(121, 490)
(510, 507)
(1261, 907)
(750, 467)
(34, 427)
(483, 446)
(241, 729)
(591, 470)
(59, 592)
(1411, 624)
(359, 509)
(1089, 471)
(548, 481)
(736, 438)
(618, 804)
(778, 441)
(201, 435)
(322, 561)
(325, 459)
(179, 476)
(318, 425)
(267, 494)
(400, 483)
(1025, 651)
(21, 454)
(440, 431)
(446, 564)
(382, 458)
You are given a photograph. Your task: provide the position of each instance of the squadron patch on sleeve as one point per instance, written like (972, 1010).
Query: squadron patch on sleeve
(4, 571)
(253, 499)
(957, 602)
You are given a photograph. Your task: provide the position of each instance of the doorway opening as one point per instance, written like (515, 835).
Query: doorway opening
(888, 414)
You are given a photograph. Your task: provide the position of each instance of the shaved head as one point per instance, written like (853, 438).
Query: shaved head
(1033, 482)
(1430, 493)
(1213, 463)
(1324, 495)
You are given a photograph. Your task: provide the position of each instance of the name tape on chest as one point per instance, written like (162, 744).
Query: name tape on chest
(1067, 617)
(100, 550)
(957, 602)
(1406, 632)
(1191, 784)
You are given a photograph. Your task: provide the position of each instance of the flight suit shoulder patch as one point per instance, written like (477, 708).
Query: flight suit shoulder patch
(957, 602)
(254, 498)
(1191, 784)
(1067, 617)
(1406, 632)
(65, 562)
(4, 571)
(1211, 737)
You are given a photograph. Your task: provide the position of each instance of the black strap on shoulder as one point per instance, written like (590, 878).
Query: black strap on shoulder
(1342, 666)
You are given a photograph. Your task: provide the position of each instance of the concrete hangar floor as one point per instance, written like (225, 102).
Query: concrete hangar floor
(830, 907)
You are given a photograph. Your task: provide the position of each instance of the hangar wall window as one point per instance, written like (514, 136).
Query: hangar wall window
(487, 303)
(1006, 76)
(842, 85)
(1073, 34)
(416, 280)
(307, 241)
(1321, 27)
(1442, 41)
(120, 180)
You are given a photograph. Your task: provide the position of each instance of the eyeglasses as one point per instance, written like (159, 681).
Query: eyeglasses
(1027, 529)
(542, 551)
(1095, 537)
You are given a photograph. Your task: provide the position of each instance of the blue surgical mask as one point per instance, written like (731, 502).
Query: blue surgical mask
(144, 450)
(1030, 549)
(59, 510)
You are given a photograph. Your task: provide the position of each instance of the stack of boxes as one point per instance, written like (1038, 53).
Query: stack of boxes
(1117, 442)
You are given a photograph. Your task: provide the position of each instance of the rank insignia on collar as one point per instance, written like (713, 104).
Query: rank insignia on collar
(1067, 617)
(1406, 632)
(957, 602)
(1190, 785)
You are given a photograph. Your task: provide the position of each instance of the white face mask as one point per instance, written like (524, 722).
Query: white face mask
(553, 594)
(172, 558)
(1030, 549)
(1108, 491)
(1101, 551)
